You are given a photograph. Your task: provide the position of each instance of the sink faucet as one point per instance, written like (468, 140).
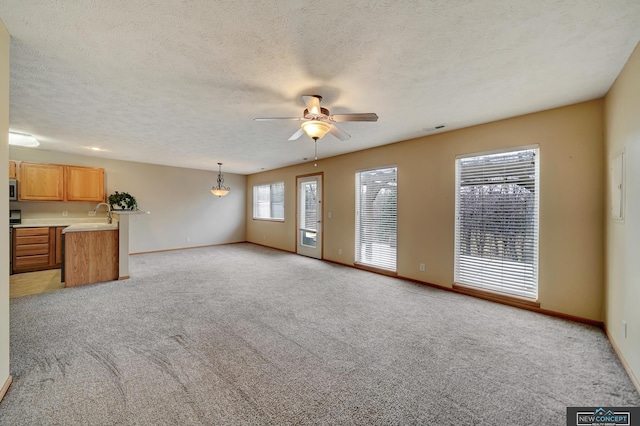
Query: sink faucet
(108, 211)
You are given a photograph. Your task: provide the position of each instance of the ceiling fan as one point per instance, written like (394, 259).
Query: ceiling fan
(318, 121)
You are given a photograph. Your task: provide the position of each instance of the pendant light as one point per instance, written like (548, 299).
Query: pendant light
(220, 190)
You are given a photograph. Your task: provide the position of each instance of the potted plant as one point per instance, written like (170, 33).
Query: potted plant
(122, 201)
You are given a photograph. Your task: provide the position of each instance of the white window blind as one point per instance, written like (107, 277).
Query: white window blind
(496, 229)
(268, 201)
(376, 217)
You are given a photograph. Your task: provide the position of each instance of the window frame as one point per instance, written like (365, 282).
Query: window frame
(255, 206)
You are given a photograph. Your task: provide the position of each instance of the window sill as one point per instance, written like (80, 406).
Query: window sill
(496, 297)
(264, 219)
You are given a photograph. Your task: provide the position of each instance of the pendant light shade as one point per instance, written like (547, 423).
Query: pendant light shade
(220, 190)
(316, 129)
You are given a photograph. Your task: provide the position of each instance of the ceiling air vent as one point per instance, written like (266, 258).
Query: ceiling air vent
(433, 129)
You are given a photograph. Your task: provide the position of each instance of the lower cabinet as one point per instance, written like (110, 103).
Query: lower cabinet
(90, 257)
(36, 249)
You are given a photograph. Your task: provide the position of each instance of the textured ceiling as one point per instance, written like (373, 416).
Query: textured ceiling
(179, 82)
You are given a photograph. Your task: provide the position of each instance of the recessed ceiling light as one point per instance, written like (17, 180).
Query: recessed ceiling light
(95, 148)
(22, 139)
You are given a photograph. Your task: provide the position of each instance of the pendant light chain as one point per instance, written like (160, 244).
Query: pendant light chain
(316, 153)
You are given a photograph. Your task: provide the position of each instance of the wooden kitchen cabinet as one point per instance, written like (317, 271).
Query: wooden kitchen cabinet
(56, 182)
(41, 182)
(85, 184)
(58, 248)
(13, 169)
(36, 249)
(31, 249)
(90, 257)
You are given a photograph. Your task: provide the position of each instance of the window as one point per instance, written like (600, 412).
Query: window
(268, 201)
(376, 218)
(496, 228)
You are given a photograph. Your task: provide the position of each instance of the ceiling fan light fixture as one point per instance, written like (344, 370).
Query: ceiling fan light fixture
(316, 129)
(220, 190)
(317, 121)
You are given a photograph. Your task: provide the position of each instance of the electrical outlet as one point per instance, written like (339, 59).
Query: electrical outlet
(624, 328)
(329, 214)
(264, 238)
(188, 239)
(422, 267)
(339, 251)
(92, 213)
(65, 213)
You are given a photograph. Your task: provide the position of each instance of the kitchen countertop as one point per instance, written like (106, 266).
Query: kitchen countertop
(63, 221)
(130, 212)
(81, 227)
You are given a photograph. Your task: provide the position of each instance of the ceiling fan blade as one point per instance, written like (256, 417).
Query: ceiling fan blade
(365, 116)
(279, 118)
(297, 135)
(339, 133)
(313, 103)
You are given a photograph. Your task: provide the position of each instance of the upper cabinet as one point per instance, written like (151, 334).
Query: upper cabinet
(13, 170)
(55, 182)
(41, 182)
(85, 184)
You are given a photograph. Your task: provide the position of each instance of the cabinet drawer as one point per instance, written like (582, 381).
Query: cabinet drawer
(36, 239)
(31, 261)
(32, 249)
(25, 232)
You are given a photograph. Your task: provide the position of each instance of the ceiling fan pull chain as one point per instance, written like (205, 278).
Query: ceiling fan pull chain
(316, 148)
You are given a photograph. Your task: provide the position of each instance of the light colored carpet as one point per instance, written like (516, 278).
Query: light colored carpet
(243, 334)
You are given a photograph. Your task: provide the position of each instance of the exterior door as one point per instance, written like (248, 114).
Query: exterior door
(310, 216)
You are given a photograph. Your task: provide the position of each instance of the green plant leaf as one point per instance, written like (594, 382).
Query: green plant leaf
(122, 201)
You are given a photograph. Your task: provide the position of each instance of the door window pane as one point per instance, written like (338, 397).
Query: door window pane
(309, 213)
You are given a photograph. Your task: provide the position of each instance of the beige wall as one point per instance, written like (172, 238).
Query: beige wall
(4, 209)
(571, 218)
(622, 282)
(179, 199)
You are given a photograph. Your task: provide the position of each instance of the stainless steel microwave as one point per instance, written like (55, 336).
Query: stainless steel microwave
(13, 190)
